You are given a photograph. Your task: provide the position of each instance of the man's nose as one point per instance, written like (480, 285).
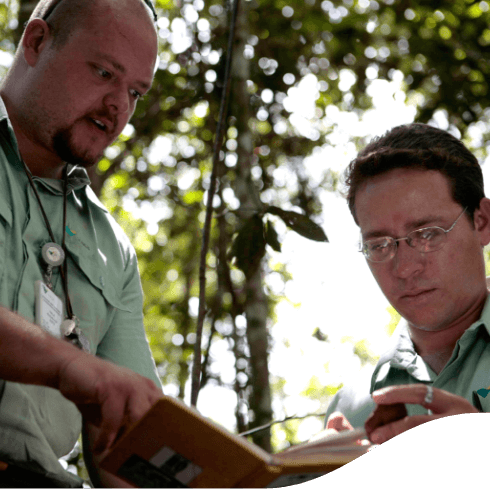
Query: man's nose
(118, 99)
(407, 260)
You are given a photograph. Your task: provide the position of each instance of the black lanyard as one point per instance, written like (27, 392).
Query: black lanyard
(63, 267)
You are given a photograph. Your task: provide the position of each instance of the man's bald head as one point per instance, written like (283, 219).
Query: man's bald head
(76, 77)
(64, 17)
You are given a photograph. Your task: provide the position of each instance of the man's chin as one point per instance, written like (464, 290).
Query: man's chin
(425, 322)
(83, 162)
(74, 154)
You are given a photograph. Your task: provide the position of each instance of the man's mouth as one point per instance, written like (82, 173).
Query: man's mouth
(417, 294)
(104, 123)
(99, 124)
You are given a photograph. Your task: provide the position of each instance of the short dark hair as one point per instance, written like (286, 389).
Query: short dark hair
(421, 147)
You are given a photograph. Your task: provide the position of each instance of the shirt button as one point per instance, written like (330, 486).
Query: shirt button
(102, 281)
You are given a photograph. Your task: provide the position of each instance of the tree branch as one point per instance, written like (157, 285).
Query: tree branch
(196, 370)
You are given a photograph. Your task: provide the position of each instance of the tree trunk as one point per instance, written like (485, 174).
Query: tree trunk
(256, 307)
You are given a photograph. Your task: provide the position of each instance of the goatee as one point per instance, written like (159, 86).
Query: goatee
(66, 149)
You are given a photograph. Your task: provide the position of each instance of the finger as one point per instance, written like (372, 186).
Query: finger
(384, 414)
(406, 394)
(135, 411)
(414, 394)
(442, 401)
(388, 431)
(112, 414)
(138, 406)
(337, 421)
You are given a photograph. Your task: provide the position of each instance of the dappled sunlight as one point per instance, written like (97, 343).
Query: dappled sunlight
(312, 82)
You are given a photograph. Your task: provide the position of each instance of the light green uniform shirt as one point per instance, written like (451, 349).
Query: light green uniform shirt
(466, 372)
(37, 424)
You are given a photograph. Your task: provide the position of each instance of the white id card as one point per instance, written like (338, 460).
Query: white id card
(49, 309)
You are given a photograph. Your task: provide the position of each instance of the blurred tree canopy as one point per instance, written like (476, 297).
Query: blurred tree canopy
(320, 56)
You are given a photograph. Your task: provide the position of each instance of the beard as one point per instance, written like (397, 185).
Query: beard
(68, 150)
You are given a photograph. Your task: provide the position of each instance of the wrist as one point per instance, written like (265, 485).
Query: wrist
(29, 354)
(63, 354)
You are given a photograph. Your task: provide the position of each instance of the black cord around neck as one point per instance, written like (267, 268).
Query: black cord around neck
(63, 267)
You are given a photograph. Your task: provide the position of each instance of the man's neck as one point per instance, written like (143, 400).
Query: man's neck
(436, 347)
(437, 361)
(40, 162)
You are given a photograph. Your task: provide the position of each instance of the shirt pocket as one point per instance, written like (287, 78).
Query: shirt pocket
(95, 288)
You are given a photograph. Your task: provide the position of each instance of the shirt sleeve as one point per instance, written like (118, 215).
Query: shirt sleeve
(125, 342)
(113, 269)
(354, 402)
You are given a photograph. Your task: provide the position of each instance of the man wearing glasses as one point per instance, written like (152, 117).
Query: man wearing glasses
(417, 196)
(65, 265)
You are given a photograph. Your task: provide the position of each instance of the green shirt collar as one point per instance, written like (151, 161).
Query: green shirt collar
(77, 177)
(401, 353)
(483, 321)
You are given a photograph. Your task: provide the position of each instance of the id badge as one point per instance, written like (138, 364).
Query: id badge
(49, 309)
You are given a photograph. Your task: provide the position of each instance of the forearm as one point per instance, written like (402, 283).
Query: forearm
(28, 354)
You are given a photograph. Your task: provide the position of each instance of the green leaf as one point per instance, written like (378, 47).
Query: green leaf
(300, 223)
(192, 197)
(271, 237)
(319, 335)
(248, 247)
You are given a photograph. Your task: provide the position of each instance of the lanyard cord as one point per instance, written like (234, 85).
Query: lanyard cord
(63, 267)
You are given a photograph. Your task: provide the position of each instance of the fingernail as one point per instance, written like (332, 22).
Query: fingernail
(377, 438)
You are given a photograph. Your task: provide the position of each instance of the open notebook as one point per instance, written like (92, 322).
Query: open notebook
(175, 446)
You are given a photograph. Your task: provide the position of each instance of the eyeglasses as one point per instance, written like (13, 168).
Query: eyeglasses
(425, 240)
(54, 4)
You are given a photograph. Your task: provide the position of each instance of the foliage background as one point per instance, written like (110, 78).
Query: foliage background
(154, 178)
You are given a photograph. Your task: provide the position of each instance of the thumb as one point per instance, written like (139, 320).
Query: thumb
(339, 422)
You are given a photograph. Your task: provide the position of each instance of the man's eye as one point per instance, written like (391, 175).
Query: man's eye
(104, 73)
(379, 246)
(136, 95)
(427, 234)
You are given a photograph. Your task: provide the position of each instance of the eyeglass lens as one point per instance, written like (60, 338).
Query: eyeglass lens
(423, 240)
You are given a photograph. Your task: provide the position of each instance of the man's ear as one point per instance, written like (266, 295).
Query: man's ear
(36, 36)
(481, 219)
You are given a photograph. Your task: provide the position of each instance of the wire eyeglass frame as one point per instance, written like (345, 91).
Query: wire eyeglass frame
(413, 239)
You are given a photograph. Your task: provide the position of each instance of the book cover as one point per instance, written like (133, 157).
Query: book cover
(175, 446)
